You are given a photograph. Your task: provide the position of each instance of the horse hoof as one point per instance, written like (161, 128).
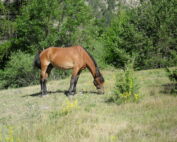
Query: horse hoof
(44, 95)
(100, 92)
(68, 93)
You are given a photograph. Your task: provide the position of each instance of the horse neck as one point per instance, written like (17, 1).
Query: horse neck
(91, 66)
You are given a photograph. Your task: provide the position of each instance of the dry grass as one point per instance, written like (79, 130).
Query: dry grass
(26, 117)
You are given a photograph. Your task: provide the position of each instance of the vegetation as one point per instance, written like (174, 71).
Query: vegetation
(88, 117)
(18, 72)
(147, 33)
(126, 86)
(172, 74)
(113, 31)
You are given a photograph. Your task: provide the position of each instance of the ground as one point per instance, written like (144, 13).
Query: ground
(89, 117)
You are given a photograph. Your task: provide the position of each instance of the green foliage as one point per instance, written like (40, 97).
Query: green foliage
(75, 15)
(4, 52)
(112, 32)
(147, 32)
(123, 40)
(35, 26)
(172, 74)
(126, 87)
(51, 22)
(157, 20)
(18, 71)
(7, 25)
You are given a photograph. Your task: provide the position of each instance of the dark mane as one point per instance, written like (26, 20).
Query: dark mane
(98, 74)
(91, 58)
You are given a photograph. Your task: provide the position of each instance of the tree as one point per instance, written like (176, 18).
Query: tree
(76, 15)
(123, 41)
(35, 26)
(49, 23)
(147, 32)
(157, 20)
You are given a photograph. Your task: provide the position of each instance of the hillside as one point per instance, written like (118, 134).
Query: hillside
(88, 117)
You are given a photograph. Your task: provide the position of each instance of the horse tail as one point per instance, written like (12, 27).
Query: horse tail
(37, 63)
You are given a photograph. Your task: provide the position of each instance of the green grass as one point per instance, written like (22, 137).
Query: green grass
(88, 117)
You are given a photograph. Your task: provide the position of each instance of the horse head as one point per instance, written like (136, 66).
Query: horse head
(99, 83)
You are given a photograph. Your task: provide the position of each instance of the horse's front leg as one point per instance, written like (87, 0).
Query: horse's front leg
(76, 79)
(75, 75)
(71, 88)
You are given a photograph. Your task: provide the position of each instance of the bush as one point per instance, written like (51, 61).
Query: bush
(4, 52)
(126, 87)
(18, 71)
(172, 74)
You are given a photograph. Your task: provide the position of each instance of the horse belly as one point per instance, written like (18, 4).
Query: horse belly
(65, 58)
(66, 65)
(63, 64)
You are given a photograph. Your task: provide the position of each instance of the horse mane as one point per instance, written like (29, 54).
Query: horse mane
(98, 74)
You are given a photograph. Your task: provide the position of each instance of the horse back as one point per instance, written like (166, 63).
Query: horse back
(65, 58)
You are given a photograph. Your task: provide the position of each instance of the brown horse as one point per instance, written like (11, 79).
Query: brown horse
(75, 58)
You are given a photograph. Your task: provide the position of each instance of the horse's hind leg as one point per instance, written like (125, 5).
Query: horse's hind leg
(43, 87)
(43, 81)
(45, 71)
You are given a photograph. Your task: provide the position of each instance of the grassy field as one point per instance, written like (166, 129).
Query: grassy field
(89, 117)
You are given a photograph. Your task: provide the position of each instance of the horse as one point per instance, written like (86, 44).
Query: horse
(76, 58)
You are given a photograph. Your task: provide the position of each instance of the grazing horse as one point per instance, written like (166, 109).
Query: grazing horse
(75, 58)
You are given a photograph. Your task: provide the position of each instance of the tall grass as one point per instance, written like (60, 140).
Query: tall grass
(88, 117)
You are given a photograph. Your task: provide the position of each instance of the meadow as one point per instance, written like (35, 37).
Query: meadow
(87, 116)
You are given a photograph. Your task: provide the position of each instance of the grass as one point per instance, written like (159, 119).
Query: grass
(88, 117)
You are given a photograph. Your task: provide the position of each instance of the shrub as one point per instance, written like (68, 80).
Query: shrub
(18, 71)
(172, 74)
(4, 52)
(126, 87)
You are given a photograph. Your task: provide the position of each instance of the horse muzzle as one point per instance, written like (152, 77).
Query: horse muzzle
(100, 91)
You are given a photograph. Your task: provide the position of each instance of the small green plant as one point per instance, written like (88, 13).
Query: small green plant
(69, 106)
(7, 134)
(172, 74)
(126, 87)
